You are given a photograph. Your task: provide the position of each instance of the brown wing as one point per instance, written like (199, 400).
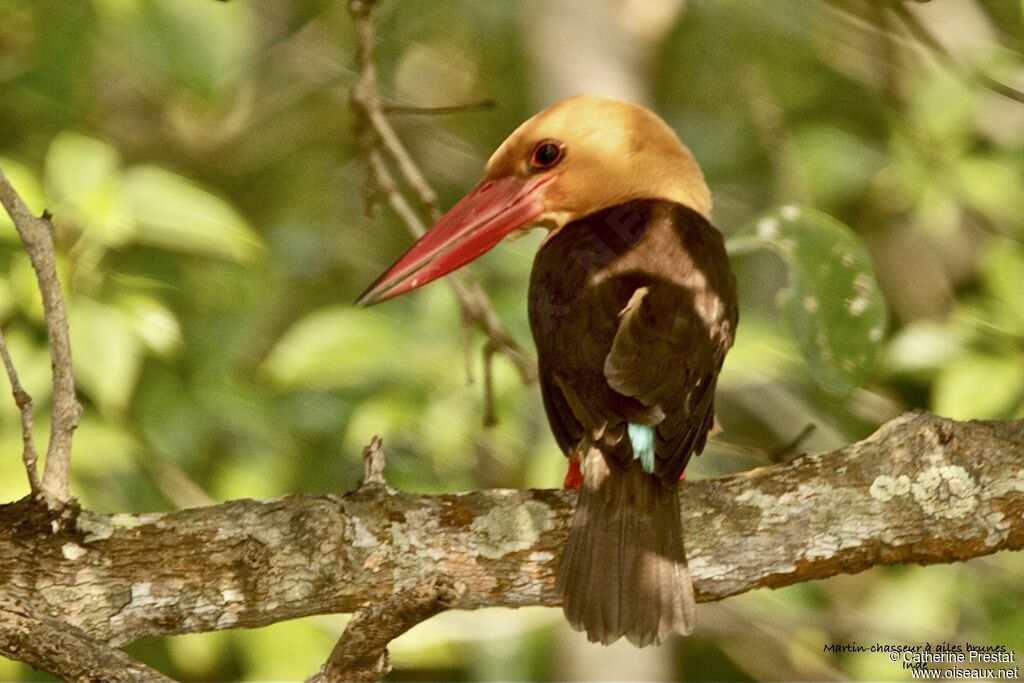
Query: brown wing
(633, 309)
(667, 354)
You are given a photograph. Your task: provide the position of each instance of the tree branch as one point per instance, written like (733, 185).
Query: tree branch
(380, 139)
(923, 489)
(29, 455)
(36, 234)
(918, 29)
(66, 651)
(361, 654)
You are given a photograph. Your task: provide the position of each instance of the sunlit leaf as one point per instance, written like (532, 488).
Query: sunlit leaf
(153, 322)
(200, 44)
(175, 213)
(106, 351)
(1003, 276)
(336, 347)
(192, 44)
(923, 347)
(979, 385)
(83, 178)
(943, 105)
(102, 448)
(994, 187)
(833, 302)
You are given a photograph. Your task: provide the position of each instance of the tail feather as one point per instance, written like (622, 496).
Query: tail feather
(623, 570)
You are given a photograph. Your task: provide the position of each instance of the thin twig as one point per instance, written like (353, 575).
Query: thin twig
(783, 452)
(24, 402)
(37, 235)
(466, 327)
(361, 653)
(437, 111)
(379, 138)
(925, 39)
(775, 455)
(174, 483)
(921, 32)
(366, 97)
(490, 414)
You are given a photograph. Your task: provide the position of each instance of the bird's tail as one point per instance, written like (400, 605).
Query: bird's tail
(623, 570)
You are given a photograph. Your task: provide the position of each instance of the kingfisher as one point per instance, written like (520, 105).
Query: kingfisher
(632, 305)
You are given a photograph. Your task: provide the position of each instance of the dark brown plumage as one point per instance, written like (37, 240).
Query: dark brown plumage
(632, 309)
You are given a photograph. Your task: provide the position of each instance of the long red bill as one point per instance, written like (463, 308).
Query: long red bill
(473, 226)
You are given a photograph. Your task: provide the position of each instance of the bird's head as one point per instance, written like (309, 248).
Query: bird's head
(580, 155)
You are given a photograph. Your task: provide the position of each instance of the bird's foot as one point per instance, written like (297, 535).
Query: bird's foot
(574, 477)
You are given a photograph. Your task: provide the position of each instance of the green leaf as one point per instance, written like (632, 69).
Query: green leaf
(835, 165)
(174, 213)
(924, 347)
(979, 385)
(833, 303)
(83, 177)
(993, 186)
(1003, 276)
(336, 347)
(202, 46)
(107, 352)
(154, 323)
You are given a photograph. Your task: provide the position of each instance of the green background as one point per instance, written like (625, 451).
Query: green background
(212, 226)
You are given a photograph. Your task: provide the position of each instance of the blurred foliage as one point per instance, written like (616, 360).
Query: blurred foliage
(209, 202)
(832, 302)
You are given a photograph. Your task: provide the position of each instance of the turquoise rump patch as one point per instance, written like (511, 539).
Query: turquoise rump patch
(642, 438)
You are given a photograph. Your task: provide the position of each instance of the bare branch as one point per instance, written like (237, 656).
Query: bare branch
(437, 111)
(37, 235)
(373, 463)
(66, 651)
(24, 403)
(380, 139)
(361, 653)
(921, 33)
(923, 489)
(921, 39)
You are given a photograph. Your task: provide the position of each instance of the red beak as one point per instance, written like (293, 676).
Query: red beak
(473, 226)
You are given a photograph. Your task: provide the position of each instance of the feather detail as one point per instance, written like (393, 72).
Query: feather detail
(623, 570)
(641, 437)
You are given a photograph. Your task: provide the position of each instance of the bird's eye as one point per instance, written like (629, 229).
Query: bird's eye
(546, 154)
